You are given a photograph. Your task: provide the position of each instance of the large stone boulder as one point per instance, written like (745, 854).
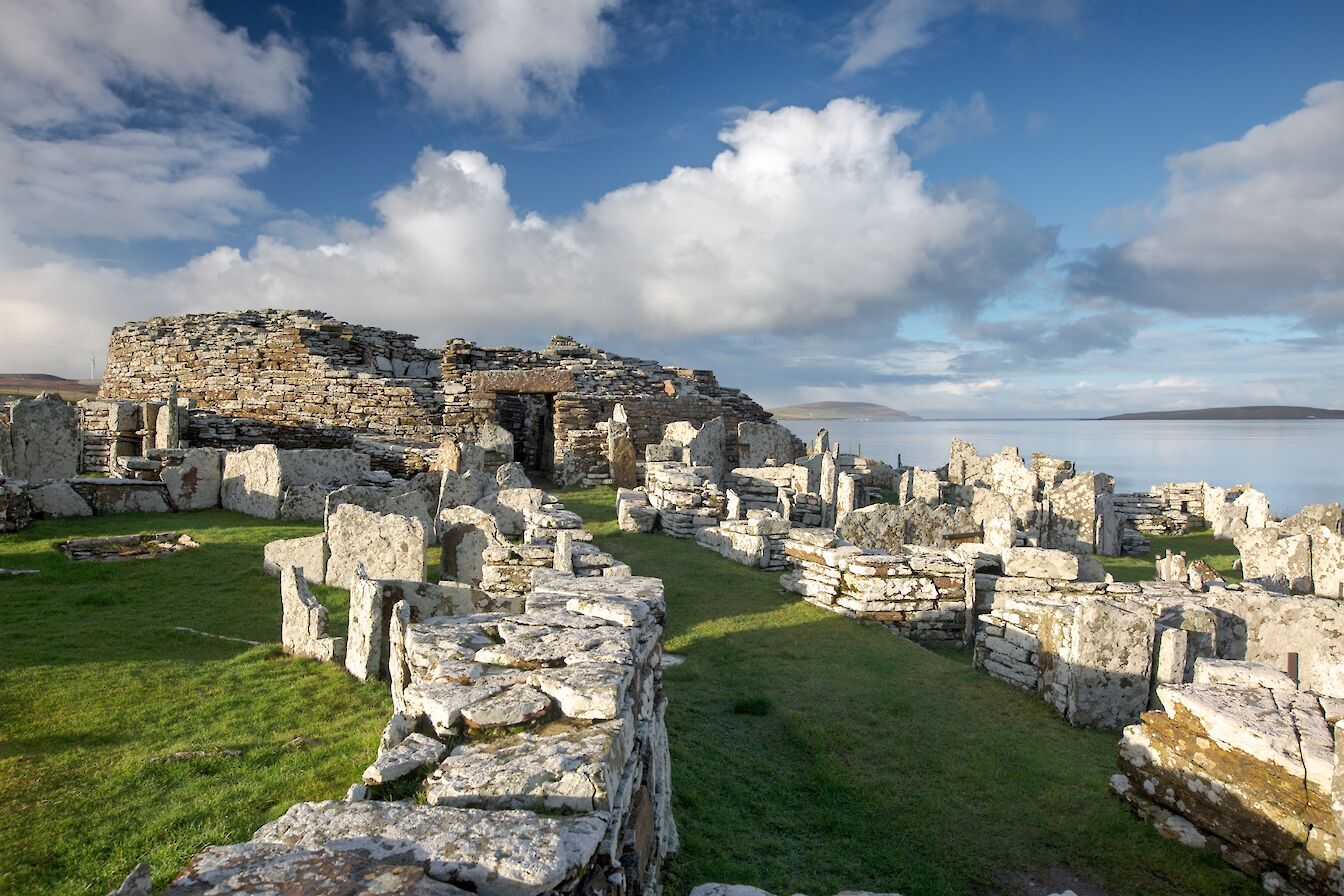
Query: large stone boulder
(194, 483)
(761, 444)
(107, 496)
(389, 546)
(44, 440)
(252, 482)
(886, 527)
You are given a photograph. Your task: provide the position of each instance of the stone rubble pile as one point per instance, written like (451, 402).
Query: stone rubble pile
(126, 547)
(1242, 760)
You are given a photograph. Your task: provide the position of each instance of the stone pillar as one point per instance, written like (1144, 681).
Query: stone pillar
(564, 550)
(829, 484)
(846, 497)
(734, 509)
(621, 451)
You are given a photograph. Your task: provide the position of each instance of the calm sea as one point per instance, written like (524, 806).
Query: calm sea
(1294, 462)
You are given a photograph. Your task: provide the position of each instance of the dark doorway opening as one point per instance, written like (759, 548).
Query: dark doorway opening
(529, 418)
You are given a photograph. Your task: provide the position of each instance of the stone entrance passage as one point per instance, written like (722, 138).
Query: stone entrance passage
(530, 419)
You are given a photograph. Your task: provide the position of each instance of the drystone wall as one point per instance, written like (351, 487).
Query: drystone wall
(301, 371)
(539, 741)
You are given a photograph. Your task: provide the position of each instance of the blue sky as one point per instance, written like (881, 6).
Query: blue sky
(959, 208)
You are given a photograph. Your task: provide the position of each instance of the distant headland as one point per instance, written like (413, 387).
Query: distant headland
(1248, 412)
(840, 410)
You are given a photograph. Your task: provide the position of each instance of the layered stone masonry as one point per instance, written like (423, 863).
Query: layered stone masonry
(1242, 760)
(921, 594)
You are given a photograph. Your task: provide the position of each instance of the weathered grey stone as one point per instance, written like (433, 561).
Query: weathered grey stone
(414, 752)
(389, 546)
(304, 627)
(633, 516)
(574, 770)
(512, 475)
(527, 647)
(1312, 517)
(195, 483)
(252, 482)
(57, 499)
(464, 534)
(314, 870)
(512, 706)
(504, 853)
(596, 691)
(1109, 665)
(322, 466)
(137, 883)
(309, 552)
(304, 502)
(760, 444)
(6, 449)
(16, 511)
(107, 496)
(706, 448)
(1241, 674)
(994, 514)
(1039, 563)
(1327, 563)
(511, 506)
(44, 440)
(887, 527)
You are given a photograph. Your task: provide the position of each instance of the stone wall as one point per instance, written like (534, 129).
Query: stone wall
(302, 372)
(1243, 761)
(920, 594)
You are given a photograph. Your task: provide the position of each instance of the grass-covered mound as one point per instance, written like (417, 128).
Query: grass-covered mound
(812, 753)
(95, 682)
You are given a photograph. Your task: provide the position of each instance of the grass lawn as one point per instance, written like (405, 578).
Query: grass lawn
(95, 682)
(815, 754)
(1201, 545)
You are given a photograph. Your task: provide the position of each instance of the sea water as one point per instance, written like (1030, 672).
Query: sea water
(1294, 462)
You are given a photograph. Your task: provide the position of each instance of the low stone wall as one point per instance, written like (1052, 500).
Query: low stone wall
(541, 742)
(1241, 760)
(921, 595)
(758, 541)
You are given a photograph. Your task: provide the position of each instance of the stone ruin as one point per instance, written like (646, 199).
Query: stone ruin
(536, 741)
(529, 708)
(300, 379)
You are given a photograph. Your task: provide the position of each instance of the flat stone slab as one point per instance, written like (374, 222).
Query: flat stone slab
(514, 706)
(596, 691)
(254, 868)
(416, 751)
(504, 853)
(529, 647)
(617, 608)
(575, 770)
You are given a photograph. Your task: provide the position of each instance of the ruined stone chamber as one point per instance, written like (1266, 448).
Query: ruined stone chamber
(300, 379)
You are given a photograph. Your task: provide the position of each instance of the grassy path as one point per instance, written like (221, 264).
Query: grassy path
(95, 682)
(814, 754)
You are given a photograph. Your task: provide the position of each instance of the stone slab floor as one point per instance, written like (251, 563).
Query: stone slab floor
(814, 754)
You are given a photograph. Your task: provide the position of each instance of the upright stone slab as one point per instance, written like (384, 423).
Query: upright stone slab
(622, 456)
(1110, 663)
(252, 482)
(389, 546)
(45, 439)
(195, 483)
(6, 448)
(829, 484)
(764, 444)
(706, 449)
(464, 535)
(304, 628)
(308, 553)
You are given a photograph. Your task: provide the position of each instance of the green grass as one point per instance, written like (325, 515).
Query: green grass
(95, 682)
(1201, 545)
(877, 764)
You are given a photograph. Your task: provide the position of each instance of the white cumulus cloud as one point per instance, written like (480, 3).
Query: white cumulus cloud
(1253, 225)
(506, 59)
(807, 218)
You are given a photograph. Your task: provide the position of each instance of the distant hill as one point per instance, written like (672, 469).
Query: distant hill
(840, 410)
(27, 385)
(1249, 412)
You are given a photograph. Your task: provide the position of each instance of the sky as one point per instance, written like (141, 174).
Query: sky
(959, 208)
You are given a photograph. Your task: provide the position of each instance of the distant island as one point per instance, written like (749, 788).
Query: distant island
(1249, 412)
(27, 385)
(840, 410)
